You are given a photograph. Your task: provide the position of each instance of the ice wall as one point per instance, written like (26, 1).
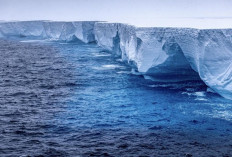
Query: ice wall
(60, 31)
(152, 51)
(165, 54)
(174, 54)
(209, 52)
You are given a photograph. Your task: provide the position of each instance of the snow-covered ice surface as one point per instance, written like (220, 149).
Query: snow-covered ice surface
(162, 53)
(174, 54)
(181, 22)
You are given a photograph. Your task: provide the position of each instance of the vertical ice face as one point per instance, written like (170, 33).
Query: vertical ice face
(70, 31)
(128, 44)
(57, 30)
(67, 32)
(153, 51)
(106, 34)
(29, 28)
(1, 34)
(158, 54)
(119, 38)
(88, 31)
(84, 31)
(62, 31)
(188, 41)
(213, 60)
(174, 53)
(167, 54)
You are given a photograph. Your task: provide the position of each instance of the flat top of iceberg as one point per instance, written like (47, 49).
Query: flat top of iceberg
(195, 23)
(198, 23)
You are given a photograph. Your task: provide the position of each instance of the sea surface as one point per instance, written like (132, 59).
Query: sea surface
(75, 99)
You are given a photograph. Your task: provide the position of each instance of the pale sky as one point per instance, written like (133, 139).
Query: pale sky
(138, 12)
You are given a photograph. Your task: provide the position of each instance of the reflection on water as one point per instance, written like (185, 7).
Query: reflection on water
(71, 99)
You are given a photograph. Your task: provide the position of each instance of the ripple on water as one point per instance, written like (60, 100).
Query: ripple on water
(54, 103)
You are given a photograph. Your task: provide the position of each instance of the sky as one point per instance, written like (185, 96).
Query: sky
(138, 12)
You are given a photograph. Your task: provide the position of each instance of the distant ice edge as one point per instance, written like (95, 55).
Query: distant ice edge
(162, 53)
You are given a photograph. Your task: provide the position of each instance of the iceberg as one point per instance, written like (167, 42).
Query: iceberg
(209, 52)
(57, 31)
(163, 54)
(175, 53)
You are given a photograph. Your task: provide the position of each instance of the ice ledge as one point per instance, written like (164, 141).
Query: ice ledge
(182, 22)
(163, 53)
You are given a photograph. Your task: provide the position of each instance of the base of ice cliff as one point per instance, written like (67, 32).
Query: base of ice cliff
(165, 54)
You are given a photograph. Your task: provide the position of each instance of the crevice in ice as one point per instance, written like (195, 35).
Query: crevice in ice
(139, 43)
(116, 45)
(74, 39)
(174, 67)
(162, 53)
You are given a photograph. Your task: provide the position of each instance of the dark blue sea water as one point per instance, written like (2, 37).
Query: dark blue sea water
(73, 99)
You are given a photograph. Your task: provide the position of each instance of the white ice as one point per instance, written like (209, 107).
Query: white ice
(159, 52)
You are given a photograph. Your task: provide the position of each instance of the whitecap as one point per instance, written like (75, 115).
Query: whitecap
(201, 99)
(187, 93)
(119, 60)
(32, 41)
(124, 72)
(199, 94)
(101, 55)
(112, 66)
(109, 67)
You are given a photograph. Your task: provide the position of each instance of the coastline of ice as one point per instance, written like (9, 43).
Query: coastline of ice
(158, 52)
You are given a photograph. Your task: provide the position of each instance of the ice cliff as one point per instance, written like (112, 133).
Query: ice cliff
(164, 54)
(60, 31)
